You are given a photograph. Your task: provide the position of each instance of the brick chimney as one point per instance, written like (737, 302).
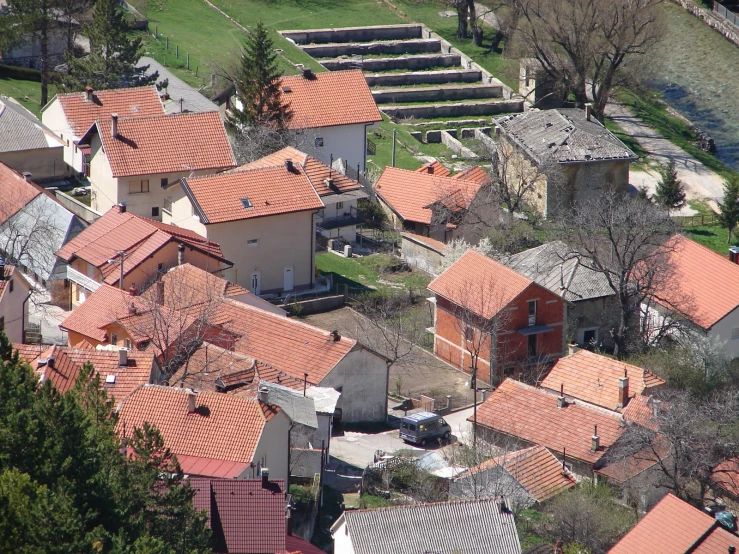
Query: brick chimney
(623, 390)
(132, 291)
(595, 439)
(561, 402)
(88, 93)
(160, 292)
(114, 125)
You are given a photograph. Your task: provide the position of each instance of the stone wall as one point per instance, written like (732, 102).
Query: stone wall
(416, 46)
(354, 34)
(430, 94)
(401, 62)
(423, 77)
(713, 20)
(455, 110)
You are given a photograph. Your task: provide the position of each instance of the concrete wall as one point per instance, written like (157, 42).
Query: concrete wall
(401, 62)
(713, 20)
(455, 110)
(361, 377)
(81, 210)
(421, 256)
(317, 305)
(577, 182)
(424, 77)
(43, 163)
(723, 331)
(428, 94)
(272, 448)
(448, 140)
(348, 142)
(12, 309)
(354, 34)
(599, 313)
(53, 117)
(342, 540)
(394, 47)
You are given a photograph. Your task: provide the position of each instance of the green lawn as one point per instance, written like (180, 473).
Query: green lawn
(364, 274)
(714, 237)
(28, 93)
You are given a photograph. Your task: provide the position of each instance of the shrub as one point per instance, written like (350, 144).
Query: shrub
(20, 73)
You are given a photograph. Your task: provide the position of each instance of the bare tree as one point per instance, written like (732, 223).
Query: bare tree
(70, 12)
(629, 241)
(588, 46)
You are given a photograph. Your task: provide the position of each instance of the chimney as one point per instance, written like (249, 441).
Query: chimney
(623, 390)
(588, 111)
(733, 253)
(329, 182)
(122, 357)
(289, 165)
(2, 269)
(181, 254)
(114, 125)
(595, 440)
(335, 336)
(264, 395)
(732, 550)
(160, 292)
(502, 507)
(431, 169)
(27, 176)
(191, 396)
(307, 73)
(656, 405)
(265, 477)
(122, 207)
(132, 309)
(572, 348)
(132, 291)
(561, 402)
(51, 362)
(88, 93)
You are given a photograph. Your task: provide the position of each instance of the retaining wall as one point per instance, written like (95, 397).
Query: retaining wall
(316, 305)
(354, 34)
(449, 140)
(713, 20)
(424, 77)
(454, 110)
(76, 207)
(418, 46)
(437, 94)
(402, 62)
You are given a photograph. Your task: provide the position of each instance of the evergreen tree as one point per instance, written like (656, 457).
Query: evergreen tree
(113, 55)
(257, 82)
(729, 208)
(670, 190)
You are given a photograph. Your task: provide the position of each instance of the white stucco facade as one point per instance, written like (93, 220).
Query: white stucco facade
(14, 307)
(272, 449)
(348, 142)
(342, 538)
(52, 115)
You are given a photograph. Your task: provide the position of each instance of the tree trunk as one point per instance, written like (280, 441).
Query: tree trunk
(44, 62)
(462, 20)
(477, 32)
(497, 39)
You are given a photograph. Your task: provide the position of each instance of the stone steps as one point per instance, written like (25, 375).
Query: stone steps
(334, 50)
(437, 94)
(424, 77)
(458, 109)
(401, 62)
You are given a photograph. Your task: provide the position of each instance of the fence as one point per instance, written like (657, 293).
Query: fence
(698, 220)
(728, 15)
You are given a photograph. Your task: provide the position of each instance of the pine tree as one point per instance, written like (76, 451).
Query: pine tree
(258, 85)
(670, 191)
(729, 208)
(113, 55)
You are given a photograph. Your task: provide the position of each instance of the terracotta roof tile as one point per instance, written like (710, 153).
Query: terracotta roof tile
(726, 476)
(594, 378)
(15, 192)
(296, 545)
(208, 467)
(532, 414)
(708, 281)
(8, 272)
(252, 193)
(210, 365)
(166, 144)
(410, 193)
(126, 102)
(329, 99)
(316, 171)
(480, 284)
(222, 427)
(434, 168)
(474, 174)
(244, 514)
(619, 468)
(640, 411)
(675, 527)
(104, 306)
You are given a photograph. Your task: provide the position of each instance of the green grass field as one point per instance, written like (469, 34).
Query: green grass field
(364, 274)
(28, 93)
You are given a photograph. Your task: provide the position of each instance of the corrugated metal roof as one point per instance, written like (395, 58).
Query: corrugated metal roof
(563, 135)
(21, 130)
(556, 267)
(469, 526)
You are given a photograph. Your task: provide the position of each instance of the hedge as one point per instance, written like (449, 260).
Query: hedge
(20, 73)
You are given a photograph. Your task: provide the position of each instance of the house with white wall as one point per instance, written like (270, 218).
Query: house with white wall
(133, 160)
(70, 115)
(264, 219)
(15, 292)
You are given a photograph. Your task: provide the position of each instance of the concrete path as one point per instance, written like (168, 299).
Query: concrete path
(699, 181)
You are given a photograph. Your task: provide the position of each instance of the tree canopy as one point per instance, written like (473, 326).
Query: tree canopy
(670, 190)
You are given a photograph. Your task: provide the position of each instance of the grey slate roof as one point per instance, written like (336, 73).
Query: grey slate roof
(193, 101)
(325, 399)
(299, 408)
(553, 266)
(563, 135)
(468, 526)
(21, 130)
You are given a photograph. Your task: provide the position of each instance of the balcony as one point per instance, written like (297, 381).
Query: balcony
(82, 279)
(346, 220)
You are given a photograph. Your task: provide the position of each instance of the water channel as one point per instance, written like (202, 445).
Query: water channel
(697, 71)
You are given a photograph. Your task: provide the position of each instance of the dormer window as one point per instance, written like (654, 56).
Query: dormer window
(246, 203)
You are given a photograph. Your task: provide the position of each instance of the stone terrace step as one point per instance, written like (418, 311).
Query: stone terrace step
(416, 46)
(354, 34)
(462, 109)
(401, 62)
(437, 94)
(424, 77)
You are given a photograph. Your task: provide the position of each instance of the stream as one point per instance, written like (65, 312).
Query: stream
(697, 72)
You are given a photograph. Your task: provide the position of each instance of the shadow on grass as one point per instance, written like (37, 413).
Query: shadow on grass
(354, 286)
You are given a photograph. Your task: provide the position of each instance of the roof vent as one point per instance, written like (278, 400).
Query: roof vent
(286, 89)
(110, 379)
(246, 203)
(265, 477)
(335, 336)
(41, 362)
(264, 394)
(122, 357)
(549, 124)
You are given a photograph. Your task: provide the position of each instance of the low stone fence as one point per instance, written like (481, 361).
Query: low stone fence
(424, 77)
(354, 34)
(415, 46)
(316, 305)
(455, 110)
(430, 94)
(401, 62)
(417, 253)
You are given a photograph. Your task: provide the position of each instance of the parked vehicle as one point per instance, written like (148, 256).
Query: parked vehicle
(423, 427)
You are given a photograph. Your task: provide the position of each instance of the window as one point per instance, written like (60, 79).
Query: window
(531, 346)
(246, 203)
(155, 211)
(252, 242)
(167, 205)
(735, 333)
(165, 182)
(113, 339)
(339, 206)
(136, 187)
(590, 336)
(532, 307)
(319, 142)
(2, 323)
(10, 286)
(127, 344)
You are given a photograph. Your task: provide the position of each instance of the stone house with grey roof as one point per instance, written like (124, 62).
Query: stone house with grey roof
(575, 155)
(592, 309)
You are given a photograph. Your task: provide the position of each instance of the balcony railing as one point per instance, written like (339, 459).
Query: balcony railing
(82, 279)
(345, 220)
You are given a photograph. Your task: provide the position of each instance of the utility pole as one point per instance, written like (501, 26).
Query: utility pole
(122, 254)
(394, 134)
(474, 409)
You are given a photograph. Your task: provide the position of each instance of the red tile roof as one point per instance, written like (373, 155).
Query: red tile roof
(535, 468)
(16, 192)
(174, 143)
(619, 468)
(329, 99)
(675, 527)
(138, 236)
(434, 168)
(474, 174)
(296, 545)
(532, 414)
(480, 284)
(126, 102)
(269, 191)
(316, 171)
(210, 364)
(222, 427)
(640, 410)
(207, 467)
(427, 241)
(105, 306)
(7, 274)
(410, 193)
(726, 476)
(705, 284)
(245, 516)
(594, 378)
